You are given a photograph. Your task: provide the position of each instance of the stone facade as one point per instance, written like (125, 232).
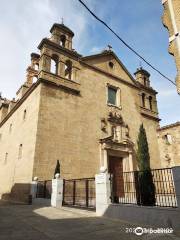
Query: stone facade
(169, 145)
(171, 20)
(67, 115)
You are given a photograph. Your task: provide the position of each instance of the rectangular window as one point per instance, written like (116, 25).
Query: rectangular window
(112, 95)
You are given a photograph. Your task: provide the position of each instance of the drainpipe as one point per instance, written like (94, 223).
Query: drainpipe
(176, 35)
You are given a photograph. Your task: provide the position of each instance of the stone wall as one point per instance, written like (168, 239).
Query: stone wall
(171, 20)
(69, 126)
(16, 162)
(68, 119)
(169, 145)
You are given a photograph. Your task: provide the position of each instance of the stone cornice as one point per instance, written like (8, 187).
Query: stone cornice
(62, 27)
(109, 144)
(148, 111)
(177, 124)
(35, 55)
(151, 117)
(147, 89)
(69, 89)
(57, 47)
(59, 81)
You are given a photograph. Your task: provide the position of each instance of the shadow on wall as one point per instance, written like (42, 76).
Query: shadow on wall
(20, 192)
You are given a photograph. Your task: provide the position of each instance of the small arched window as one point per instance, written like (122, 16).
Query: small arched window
(20, 152)
(150, 102)
(63, 40)
(54, 64)
(34, 79)
(36, 66)
(143, 99)
(68, 69)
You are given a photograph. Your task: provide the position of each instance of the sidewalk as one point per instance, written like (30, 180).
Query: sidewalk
(24, 222)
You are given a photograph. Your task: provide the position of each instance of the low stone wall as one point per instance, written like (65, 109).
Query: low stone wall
(161, 217)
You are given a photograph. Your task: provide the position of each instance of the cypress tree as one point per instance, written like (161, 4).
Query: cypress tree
(57, 169)
(143, 150)
(146, 193)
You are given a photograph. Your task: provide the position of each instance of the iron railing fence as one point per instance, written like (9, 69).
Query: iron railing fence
(44, 189)
(131, 189)
(79, 192)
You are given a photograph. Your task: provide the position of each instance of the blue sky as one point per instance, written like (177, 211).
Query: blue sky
(24, 23)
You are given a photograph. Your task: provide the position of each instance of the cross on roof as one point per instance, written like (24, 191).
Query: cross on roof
(110, 47)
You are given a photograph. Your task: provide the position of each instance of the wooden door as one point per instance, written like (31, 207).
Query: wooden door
(116, 169)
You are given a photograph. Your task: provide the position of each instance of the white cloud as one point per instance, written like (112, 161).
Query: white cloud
(167, 93)
(23, 25)
(96, 49)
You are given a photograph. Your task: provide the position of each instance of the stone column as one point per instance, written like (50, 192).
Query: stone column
(61, 68)
(45, 63)
(176, 177)
(131, 162)
(103, 159)
(57, 192)
(103, 193)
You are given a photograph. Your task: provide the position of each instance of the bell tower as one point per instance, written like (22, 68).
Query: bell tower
(142, 76)
(58, 62)
(62, 35)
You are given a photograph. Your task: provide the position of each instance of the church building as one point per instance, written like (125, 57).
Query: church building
(84, 111)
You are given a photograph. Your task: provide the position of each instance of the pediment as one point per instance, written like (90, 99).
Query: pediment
(103, 60)
(109, 141)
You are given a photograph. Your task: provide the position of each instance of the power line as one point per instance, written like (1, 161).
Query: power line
(126, 44)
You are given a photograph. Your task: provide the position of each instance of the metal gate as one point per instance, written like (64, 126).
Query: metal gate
(79, 193)
(44, 189)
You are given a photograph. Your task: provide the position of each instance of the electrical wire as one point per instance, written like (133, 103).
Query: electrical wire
(126, 44)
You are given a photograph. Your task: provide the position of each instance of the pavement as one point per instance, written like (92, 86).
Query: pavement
(29, 222)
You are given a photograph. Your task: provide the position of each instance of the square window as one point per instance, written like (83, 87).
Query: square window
(112, 92)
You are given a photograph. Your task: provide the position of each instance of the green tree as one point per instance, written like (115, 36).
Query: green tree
(143, 150)
(57, 169)
(146, 187)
